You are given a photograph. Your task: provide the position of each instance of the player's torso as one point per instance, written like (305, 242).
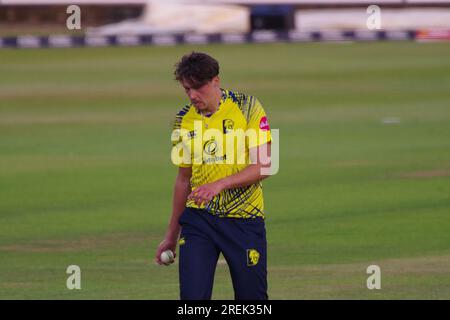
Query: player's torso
(219, 149)
(217, 143)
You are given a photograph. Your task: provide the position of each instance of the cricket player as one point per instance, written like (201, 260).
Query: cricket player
(218, 200)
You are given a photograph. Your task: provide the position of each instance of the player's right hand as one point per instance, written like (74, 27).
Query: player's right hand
(166, 244)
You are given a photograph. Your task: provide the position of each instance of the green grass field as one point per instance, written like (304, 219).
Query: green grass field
(86, 177)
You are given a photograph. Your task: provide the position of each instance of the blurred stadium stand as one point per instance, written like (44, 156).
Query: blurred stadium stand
(53, 12)
(426, 18)
(162, 17)
(272, 17)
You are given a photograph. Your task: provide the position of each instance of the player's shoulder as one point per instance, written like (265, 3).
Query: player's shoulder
(180, 115)
(240, 98)
(246, 103)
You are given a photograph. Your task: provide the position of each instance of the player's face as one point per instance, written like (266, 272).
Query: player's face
(202, 97)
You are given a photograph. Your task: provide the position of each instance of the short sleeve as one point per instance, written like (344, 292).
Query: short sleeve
(179, 147)
(259, 124)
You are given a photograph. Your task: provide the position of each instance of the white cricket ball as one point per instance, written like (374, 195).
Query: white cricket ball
(167, 257)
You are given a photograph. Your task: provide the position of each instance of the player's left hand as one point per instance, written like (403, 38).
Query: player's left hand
(206, 192)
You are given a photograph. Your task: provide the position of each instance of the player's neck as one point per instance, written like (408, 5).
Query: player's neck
(215, 104)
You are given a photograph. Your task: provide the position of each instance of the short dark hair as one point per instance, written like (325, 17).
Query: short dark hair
(196, 68)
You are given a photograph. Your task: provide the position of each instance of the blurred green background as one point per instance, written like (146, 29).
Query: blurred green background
(86, 177)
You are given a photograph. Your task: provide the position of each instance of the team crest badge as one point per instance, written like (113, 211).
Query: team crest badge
(228, 125)
(252, 257)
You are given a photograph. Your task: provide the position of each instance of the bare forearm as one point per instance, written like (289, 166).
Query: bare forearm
(181, 191)
(246, 177)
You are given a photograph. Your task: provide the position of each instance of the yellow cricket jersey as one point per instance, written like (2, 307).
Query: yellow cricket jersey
(211, 146)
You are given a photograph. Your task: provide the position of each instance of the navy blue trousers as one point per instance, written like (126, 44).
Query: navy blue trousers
(243, 245)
